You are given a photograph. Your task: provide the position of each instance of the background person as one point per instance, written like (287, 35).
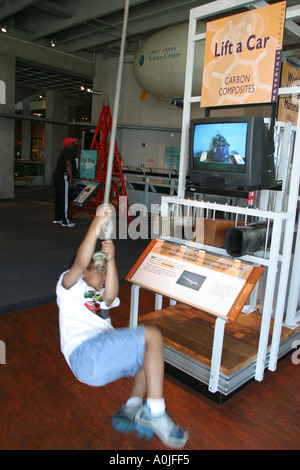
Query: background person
(63, 176)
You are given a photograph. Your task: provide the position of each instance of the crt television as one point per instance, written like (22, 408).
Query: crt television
(230, 153)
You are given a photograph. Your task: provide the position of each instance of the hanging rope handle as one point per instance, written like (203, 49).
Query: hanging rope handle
(99, 257)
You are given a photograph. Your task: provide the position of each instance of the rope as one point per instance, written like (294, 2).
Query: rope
(116, 108)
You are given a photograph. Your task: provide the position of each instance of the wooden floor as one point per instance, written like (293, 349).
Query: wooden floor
(43, 406)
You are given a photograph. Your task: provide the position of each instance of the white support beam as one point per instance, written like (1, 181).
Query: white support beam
(293, 12)
(293, 28)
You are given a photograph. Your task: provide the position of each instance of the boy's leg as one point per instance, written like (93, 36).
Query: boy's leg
(139, 385)
(154, 363)
(151, 418)
(152, 373)
(149, 379)
(123, 420)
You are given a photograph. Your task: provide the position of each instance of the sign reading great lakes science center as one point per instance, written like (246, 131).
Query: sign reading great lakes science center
(243, 57)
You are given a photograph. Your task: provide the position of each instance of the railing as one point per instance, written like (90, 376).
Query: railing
(146, 185)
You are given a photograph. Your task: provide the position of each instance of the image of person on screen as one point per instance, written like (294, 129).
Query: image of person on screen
(219, 150)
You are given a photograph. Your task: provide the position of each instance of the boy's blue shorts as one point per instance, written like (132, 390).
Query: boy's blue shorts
(109, 356)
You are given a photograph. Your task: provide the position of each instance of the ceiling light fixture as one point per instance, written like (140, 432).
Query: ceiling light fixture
(89, 90)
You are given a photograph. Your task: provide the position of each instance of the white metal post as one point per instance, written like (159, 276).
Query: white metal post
(134, 305)
(292, 315)
(216, 354)
(268, 299)
(158, 302)
(186, 107)
(287, 248)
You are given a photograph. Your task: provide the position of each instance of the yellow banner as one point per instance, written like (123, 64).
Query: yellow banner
(243, 57)
(289, 105)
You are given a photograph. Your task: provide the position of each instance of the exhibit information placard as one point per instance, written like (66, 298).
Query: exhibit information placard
(243, 57)
(85, 190)
(208, 282)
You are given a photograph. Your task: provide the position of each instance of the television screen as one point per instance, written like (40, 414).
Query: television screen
(229, 153)
(220, 147)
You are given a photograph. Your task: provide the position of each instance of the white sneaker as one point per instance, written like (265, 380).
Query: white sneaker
(163, 426)
(123, 420)
(70, 225)
(57, 221)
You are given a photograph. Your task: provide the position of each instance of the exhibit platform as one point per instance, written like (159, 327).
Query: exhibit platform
(188, 338)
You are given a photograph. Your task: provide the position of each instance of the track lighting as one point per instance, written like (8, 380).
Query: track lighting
(89, 90)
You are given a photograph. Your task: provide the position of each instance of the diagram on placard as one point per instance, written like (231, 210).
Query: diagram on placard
(191, 280)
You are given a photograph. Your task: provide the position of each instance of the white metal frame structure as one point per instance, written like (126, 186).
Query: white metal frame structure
(279, 231)
(278, 208)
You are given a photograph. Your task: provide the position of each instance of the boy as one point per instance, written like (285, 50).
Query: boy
(98, 354)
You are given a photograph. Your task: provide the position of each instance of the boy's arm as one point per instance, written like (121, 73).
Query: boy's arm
(87, 247)
(112, 281)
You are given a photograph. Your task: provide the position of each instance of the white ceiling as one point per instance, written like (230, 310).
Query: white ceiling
(95, 26)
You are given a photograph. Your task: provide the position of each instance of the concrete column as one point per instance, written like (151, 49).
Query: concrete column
(7, 128)
(26, 133)
(54, 133)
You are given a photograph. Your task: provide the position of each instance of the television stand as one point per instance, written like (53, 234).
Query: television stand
(194, 188)
(239, 193)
